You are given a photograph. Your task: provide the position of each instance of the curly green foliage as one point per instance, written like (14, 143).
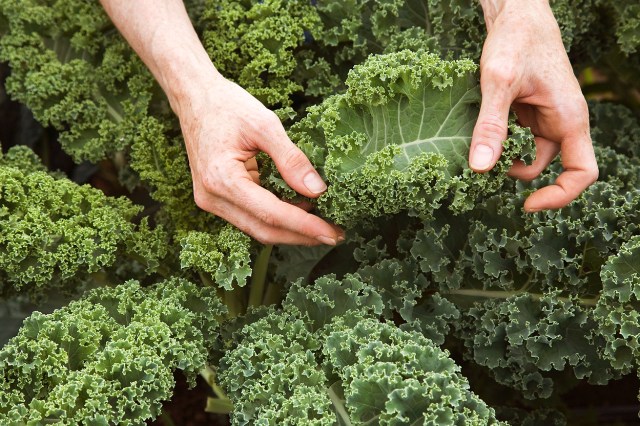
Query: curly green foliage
(575, 19)
(22, 158)
(617, 310)
(55, 232)
(208, 244)
(325, 359)
(356, 29)
(161, 163)
(518, 289)
(73, 70)
(272, 375)
(397, 140)
(395, 377)
(523, 337)
(615, 126)
(525, 285)
(626, 16)
(225, 255)
(329, 298)
(255, 44)
(108, 358)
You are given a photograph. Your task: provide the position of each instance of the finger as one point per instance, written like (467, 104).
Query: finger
(491, 128)
(581, 170)
(295, 167)
(269, 234)
(244, 220)
(271, 211)
(304, 205)
(252, 168)
(546, 151)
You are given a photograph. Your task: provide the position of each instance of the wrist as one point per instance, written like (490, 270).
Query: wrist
(183, 70)
(493, 8)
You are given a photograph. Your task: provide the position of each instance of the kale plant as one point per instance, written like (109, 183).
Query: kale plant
(446, 304)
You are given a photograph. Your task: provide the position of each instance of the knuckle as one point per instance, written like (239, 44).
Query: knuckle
(201, 199)
(577, 109)
(209, 184)
(293, 158)
(266, 122)
(492, 126)
(503, 73)
(267, 218)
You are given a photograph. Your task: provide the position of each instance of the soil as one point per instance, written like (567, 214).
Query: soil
(187, 407)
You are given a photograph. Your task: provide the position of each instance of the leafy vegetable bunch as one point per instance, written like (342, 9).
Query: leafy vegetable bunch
(445, 292)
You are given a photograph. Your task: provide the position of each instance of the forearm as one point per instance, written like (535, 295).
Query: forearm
(162, 35)
(493, 8)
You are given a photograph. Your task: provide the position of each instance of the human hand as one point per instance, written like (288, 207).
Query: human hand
(524, 65)
(224, 128)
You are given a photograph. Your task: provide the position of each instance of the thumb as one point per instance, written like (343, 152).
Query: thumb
(293, 165)
(490, 130)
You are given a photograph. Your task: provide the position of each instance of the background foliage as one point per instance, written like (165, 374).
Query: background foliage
(446, 304)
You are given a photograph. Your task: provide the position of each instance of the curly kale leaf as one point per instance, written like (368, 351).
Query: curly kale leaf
(224, 255)
(627, 24)
(22, 158)
(353, 30)
(75, 73)
(395, 377)
(617, 308)
(325, 359)
(55, 233)
(272, 374)
(512, 285)
(108, 358)
(398, 139)
(523, 337)
(262, 45)
(615, 126)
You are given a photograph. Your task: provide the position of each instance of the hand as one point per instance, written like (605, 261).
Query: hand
(524, 65)
(224, 128)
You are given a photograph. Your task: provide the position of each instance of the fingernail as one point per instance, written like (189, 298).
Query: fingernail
(340, 238)
(482, 157)
(314, 183)
(326, 240)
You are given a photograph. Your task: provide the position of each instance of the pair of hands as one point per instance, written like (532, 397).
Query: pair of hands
(524, 66)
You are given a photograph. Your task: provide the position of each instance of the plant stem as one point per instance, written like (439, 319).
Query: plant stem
(273, 294)
(231, 298)
(218, 406)
(339, 406)
(259, 276)
(209, 376)
(205, 279)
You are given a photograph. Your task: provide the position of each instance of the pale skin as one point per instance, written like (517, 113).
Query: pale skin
(224, 127)
(524, 66)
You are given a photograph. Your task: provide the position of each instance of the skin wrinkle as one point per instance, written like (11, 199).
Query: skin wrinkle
(531, 73)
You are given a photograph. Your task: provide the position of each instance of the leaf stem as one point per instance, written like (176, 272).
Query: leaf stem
(259, 276)
(209, 375)
(339, 406)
